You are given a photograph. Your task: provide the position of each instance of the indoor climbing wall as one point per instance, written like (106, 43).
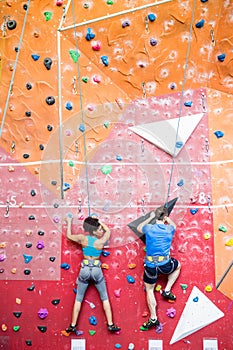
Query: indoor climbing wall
(112, 108)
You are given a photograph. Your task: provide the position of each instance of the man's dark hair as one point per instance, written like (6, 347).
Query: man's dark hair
(160, 213)
(90, 224)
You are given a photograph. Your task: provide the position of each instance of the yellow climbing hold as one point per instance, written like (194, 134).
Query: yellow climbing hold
(207, 235)
(18, 301)
(229, 243)
(158, 287)
(208, 288)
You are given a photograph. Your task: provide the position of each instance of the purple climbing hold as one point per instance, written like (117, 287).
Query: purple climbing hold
(56, 219)
(218, 134)
(153, 42)
(200, 24)
(159, 328)
(125, 24)
(43, 313)
(40, 245)
(221, 57)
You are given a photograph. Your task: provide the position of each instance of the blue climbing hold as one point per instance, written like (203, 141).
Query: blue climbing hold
(70, 215)
(188, 104)
(180, 183)
(69, 106)
(35, 57)
(151, 17)
(118, 346)
(89, 35)
(200, 24)
(66, 186)
(130, 279)
(105, 253)
(195, 299)
(118, 158)
(221, 57)
(27, 258)
(65, 266)
(204, 0)
(82, 127)
(104, 59)
(179, 144)
(93, 320)
(194, 211)
(218, 134)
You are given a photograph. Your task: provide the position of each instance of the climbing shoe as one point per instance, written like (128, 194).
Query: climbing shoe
(68, 331)
(149, 324)
(113, 328)
(168, 295)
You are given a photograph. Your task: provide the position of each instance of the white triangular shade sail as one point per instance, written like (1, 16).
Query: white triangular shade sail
(199, 312)
(169, 134)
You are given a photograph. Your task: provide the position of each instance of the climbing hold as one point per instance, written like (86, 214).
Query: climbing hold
(18, 301)
(93, 320)
(40, 245)
(207, 235)
(118, 158)
(33, 193)
(65, 266)
(96, 79)
(104, 59)
(42, 329)
(25, 6)
(85, 79)
(151, 17)
(96, 45)
(130, 279)
(29, 86)
(222, 228)
(125, 24)
(56, 219)
(208, 288)
(171, 312)
(26, 155)
(195, 299)
(179, 144)
(105, 253)
(27, 258)
(105, 266)
(229, 243)
(31, 288)
(193, 211)
(40, 233)
(11, 24)
(27, 272)
(69, 106)
(89, 35)
(49, 128)
(188, 104)
(50, 100)
(106, 169)
(48, 15)
(180, 183)
(221, 57)
(204, 0)
(28, 342)
(55, 301)
(53, 182)
(106, 124)
(158, 288)
(131, 266)
(159, 328)
(172, 86)
(43, 313)
(109, 2)
(28, 114)
(86, 5)
(59, 2)
(81, 127)
(16, 328)
(17, 314)
(200, 24)
(41, 147)
(2, 270)
(31, 217)
(74, 54)
(131, 346)
(70, 215)
(48, 63)
(218, 134)
(91, 332)
(35, 57)
(183, 286)
(4, 327)
(52, 258)
(117, 292)
(118, 346)
(153, 42)
(66, 186)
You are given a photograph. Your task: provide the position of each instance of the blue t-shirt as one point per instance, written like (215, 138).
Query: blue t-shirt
(158, 240)
(90, 250)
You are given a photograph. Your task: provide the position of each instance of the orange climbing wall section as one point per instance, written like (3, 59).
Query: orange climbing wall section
(52, 156)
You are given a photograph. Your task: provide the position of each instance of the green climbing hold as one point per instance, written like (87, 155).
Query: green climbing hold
(222, 228)
(183, 286)
(106, 124)
(106, 169)
(85, 79)
(91, 332)
(16, 328)
(48, 15)
(74, 54)
(110, 2)
(71, 163)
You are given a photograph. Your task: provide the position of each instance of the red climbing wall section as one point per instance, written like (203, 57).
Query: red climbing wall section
(75, 77)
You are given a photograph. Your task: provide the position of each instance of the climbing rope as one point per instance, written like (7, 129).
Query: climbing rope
(182, 97)
(14, 70)
(81, 109)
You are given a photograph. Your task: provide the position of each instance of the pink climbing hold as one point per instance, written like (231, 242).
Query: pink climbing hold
(96, 79)
(96, 45)
(171, 312)
(117, 292)
(59, 2)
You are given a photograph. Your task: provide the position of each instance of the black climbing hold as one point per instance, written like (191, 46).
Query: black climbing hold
(31, 217)
(52, 258)
(43, 329)
(55, 301)
(40, 233)
(27, 272)
(28, 114)
(25, 7)
(31, 288)
(49, 127)
(28, 245)
(29, 86)
(56, 205)
(2, 270)
(28, 342)
(48, 63)
(41, 147)
(53, 182)
(17, 314)
(33, 193)
(16, 49)
(50, 100)
(26, 155)
(11, 24)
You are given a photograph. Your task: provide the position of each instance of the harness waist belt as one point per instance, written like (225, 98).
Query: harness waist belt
(91, 263)
(156, 258)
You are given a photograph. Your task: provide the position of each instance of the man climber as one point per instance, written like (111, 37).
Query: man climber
(158, 260)
(92, 245)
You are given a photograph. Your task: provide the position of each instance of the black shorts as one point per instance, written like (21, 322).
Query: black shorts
(151, 273)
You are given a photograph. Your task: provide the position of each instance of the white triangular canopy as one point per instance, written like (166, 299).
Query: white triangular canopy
(199, 312)
(168, 134)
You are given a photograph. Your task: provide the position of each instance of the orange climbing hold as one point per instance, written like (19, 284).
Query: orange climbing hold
(132, 266)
